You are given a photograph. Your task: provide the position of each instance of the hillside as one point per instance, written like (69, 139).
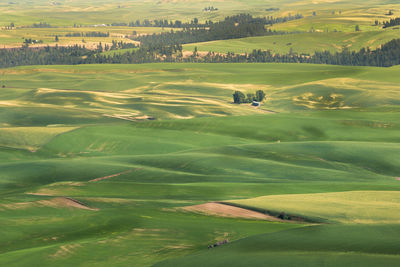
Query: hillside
(199, 133)
(128, 174)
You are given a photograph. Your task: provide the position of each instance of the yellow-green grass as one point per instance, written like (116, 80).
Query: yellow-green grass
(346, 16)
(365, 207)
(16, 37)
(114, 11)
(300, 43)
(323, 245)
(133, 173)
(168, 91)
(95, 12)
(30, 138)
(74, 12)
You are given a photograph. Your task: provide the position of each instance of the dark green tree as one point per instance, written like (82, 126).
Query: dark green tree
(251, 97)
(238, 97)
(260, 95)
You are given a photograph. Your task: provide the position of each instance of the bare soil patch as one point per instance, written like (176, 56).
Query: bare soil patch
(58, 202)
(222, 210)
(65, 202)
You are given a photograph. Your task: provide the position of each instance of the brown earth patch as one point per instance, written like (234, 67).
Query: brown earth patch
(58, 202)
(222, 210)
(65, 202)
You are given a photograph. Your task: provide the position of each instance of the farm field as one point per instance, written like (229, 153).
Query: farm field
(331, 28)
(12, 38)
(300, 43)
(142, 155)
(97, 160)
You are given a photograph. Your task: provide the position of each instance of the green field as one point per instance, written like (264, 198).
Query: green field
(112, 165)
(65, 126)
(11, 38)
(331, 29)
(300, 43)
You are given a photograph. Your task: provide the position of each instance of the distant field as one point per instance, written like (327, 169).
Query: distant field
(301, 43)
(63, 13)
(16, 37)
(333, 25)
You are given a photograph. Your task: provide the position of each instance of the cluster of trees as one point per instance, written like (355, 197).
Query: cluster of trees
(73, 55)
(239, 97)
(121, 45)
(239, 26)
(195, 23)
(41, 25)
(32, 41)
(391, 23)
(42, 56)
(390, 13)
(115, 46)
(385, 56)
(88, 34)
(210, 9)
(164, 23)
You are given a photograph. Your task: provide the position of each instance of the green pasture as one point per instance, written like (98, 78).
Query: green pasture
(300, 43)
(54, 95)
(97, 160)
(63, 13)
(15, 37)
(113, 138)
(368, 207)
(323, 245)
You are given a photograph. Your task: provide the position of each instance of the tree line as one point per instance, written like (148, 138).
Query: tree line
(41, 25)
(385, 56)
(391, 23)
(195, 23)
(88, 34)
(73, 55)
(238, 26)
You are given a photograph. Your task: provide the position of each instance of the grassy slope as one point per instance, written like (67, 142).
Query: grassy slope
(65, 14)
(103, 93)
(300, 43)
(171, 163)
(309, 246)
(15, 37)
(345, 207)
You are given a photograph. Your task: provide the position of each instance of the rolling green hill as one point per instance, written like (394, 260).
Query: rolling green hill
(96, 161)
(300, 43)
(153, 164)
(308, 246)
